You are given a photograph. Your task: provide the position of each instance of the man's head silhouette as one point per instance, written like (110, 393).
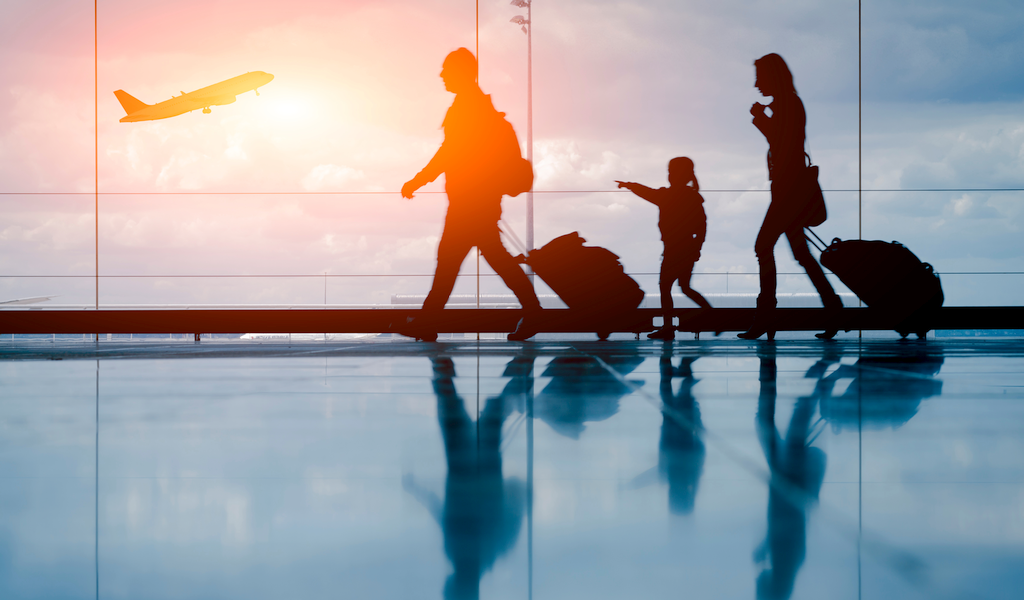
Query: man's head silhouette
(459, 71)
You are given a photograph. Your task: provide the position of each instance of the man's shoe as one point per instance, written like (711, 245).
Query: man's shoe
(525, 329)
(417, 327)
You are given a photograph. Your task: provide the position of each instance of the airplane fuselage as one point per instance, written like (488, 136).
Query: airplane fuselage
(217, 94)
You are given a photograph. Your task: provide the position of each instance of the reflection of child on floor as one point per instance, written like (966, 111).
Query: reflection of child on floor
(683, 226)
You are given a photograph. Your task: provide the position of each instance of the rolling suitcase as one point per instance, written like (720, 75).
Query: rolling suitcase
(588, 278)
(887, 277)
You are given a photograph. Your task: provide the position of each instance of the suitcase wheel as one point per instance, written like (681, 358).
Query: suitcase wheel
(603, 335)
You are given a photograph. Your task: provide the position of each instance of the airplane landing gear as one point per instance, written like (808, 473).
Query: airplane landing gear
(206, 110)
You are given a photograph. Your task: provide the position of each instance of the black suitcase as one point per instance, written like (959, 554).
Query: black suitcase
(887, 277)
(588, 278)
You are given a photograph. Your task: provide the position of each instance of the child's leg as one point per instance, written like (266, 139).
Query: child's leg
(665, 281)
(665, 285)
(692, 294)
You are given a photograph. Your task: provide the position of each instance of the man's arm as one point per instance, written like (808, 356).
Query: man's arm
(434, 168)
(437, 165)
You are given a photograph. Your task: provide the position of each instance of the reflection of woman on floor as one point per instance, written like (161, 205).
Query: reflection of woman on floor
(482, 512)
(797, 471)
(785, 132)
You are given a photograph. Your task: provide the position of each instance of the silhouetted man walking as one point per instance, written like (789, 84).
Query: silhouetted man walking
(474, 196)
(482, 511)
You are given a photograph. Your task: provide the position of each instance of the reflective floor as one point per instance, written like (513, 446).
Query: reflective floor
(721, 469)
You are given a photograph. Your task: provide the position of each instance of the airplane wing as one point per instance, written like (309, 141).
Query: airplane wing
(213, 100)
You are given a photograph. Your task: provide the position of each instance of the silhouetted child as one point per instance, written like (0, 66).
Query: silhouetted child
(683, 226)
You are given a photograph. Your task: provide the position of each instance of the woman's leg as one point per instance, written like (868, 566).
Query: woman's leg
(775, 224)
(764, 248)
(802, 254)
(829, 299)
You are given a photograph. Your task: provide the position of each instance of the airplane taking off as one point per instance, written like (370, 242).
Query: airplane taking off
(217, 94)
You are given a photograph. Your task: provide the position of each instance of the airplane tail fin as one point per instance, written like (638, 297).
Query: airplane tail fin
(129, 103)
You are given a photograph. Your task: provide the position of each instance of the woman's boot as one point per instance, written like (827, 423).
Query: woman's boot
(764, 321)
(833, 307)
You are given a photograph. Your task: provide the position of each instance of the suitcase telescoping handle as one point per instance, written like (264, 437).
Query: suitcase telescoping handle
(811, 238)
(506, 230)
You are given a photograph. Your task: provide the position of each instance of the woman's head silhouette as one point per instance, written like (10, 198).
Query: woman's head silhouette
(773, 75)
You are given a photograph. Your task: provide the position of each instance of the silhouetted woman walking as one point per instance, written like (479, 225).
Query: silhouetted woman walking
(785, 132)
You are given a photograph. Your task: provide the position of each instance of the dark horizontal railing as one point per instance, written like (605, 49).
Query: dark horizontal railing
(394, 320)
(395, 193)
(356, 275)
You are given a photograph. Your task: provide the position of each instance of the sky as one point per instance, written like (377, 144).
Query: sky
(619, 88)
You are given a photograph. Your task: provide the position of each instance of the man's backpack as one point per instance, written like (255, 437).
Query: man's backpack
(511, 173)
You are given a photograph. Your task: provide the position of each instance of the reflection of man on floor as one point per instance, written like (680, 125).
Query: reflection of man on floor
(482, 512)
(474, 197)
(797, 472)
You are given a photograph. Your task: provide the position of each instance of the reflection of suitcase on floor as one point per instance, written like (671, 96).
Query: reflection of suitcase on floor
(887, 277)
(588, 278)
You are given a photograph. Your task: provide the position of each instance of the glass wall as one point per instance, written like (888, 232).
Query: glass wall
(292, 197)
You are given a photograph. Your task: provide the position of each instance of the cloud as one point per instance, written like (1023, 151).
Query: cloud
(964, 52)
(331, 178)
